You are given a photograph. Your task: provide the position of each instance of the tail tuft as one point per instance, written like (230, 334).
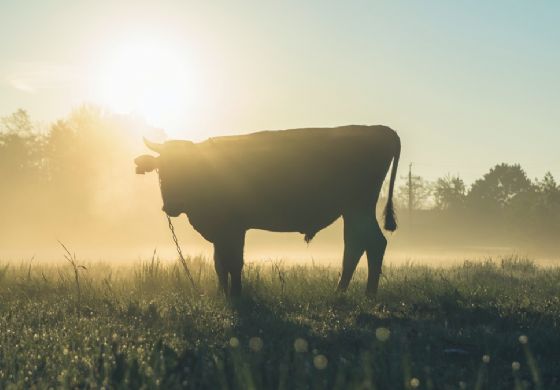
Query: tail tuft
(390, 217)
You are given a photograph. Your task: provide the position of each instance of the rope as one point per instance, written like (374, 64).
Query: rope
(180, 252)
(177, 246)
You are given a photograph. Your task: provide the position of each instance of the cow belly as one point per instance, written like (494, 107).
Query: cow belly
(303, 220)
(212, 225)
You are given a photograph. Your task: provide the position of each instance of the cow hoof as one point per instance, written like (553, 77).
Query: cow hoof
(341, 289)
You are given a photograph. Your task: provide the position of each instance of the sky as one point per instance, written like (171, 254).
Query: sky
(467, 85)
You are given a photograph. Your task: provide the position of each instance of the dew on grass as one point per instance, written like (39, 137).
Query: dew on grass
(234, 342)
(382, 334)
(300, 345)
(255, 344)
(320, 362)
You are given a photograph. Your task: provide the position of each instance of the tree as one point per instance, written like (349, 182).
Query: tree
(545, 213)
(417, 189)
(549, 190)
(18, 123)
(20, 147)
(449, 192)
(22, 166)
(499, 187)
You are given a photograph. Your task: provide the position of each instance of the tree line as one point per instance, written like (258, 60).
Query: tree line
(74, 174)
(503, 207)
(67, 172)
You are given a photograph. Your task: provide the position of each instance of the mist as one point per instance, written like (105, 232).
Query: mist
(73, 182)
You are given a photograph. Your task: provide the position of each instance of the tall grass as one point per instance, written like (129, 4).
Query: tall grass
(143, 326)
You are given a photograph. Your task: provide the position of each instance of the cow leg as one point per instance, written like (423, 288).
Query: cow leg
(354, 247)
(228, 257)
(375, 250)
(221, 271)
(235, 273)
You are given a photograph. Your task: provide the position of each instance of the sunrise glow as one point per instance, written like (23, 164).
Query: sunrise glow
(148, 79)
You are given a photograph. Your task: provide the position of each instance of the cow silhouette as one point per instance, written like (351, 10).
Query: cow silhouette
(298, 180)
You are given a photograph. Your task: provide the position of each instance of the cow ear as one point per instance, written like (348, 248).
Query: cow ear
(145, 163)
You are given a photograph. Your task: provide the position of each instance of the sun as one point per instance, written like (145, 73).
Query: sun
(148, 79)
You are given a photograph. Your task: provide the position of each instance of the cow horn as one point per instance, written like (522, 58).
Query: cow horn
(158, 148)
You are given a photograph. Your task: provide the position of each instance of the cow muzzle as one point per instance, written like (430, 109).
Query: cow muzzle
(145, 163)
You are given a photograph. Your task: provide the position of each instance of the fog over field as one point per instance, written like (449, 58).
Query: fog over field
(73, 181)
(476, 109)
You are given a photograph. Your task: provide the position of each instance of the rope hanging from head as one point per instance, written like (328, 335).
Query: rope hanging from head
(178, 248)
(180, 253)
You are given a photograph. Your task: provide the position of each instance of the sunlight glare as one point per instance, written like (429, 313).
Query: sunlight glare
(149, 80)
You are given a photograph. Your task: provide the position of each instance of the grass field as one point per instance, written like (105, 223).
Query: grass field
(484, 325)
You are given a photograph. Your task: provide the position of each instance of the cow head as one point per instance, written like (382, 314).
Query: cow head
(173, 176)
(147, 163)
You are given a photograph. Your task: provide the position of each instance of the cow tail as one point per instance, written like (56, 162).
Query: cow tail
(390, 217)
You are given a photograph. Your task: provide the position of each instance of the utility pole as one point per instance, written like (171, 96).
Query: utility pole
(410, 193)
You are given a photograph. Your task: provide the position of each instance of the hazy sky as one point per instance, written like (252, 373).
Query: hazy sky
(466, 84)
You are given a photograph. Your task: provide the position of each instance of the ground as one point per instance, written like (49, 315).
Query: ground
(481, 325)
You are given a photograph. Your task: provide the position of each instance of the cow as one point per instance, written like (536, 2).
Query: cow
(298, 180)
